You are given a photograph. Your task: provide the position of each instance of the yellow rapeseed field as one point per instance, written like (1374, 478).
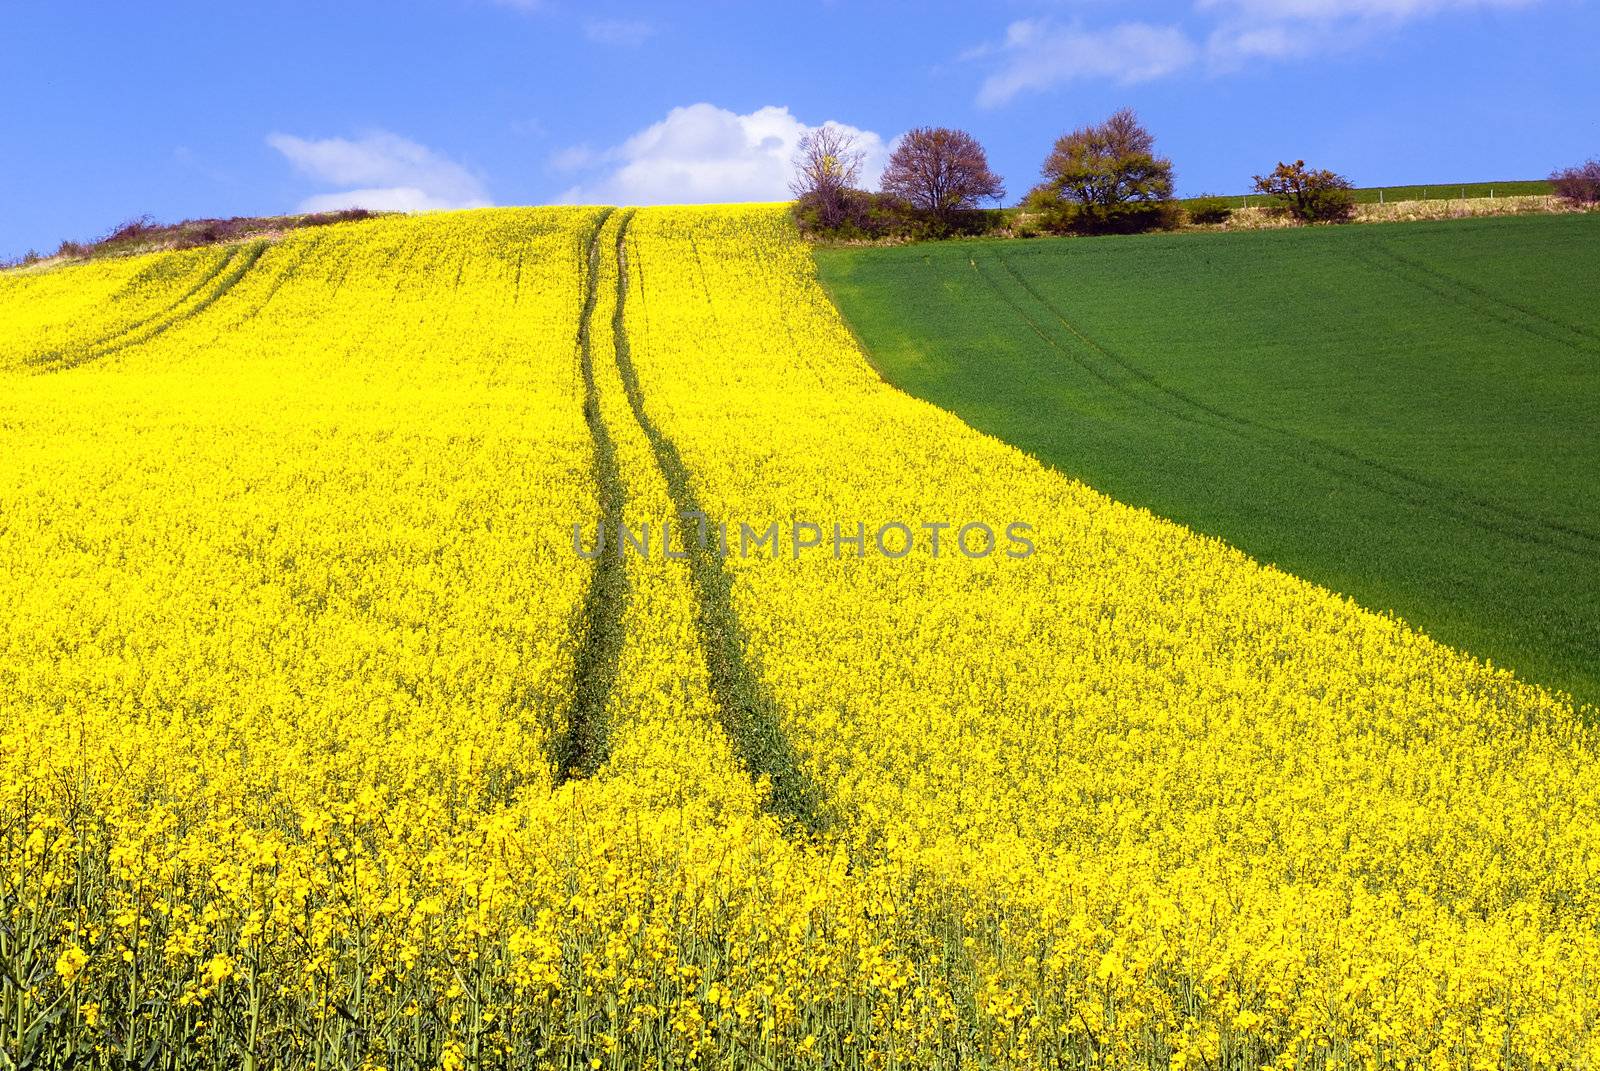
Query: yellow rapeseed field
(326, 739)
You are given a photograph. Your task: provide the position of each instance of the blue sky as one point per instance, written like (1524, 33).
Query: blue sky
(183, 109)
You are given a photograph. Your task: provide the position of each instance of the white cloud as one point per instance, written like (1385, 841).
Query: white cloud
(619, 32)
(1286, 29)
(574, 158)
(1231, 46)
(382, 199)
(1292, 10)
(383, 172)
(628, 33)
(1038, 55)
(703, 154)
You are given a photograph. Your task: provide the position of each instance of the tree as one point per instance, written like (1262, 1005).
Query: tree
(1580, 185)
(1309, 196)
(827, 166)
(941, 173)
(1107, 177)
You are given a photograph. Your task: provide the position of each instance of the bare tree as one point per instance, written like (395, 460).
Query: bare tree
(941, 172)
(827, 166)
(1580, 184)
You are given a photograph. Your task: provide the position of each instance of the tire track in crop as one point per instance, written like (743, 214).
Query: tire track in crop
(283, 277)
(583, 743)
(1479, 301)
(748, 713)
(53, 356)
(405, 255)
(1393, 471)
(1503, 520)
(177, 314)
(217, 269)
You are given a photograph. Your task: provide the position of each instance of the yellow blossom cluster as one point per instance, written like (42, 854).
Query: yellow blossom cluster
(321, 746)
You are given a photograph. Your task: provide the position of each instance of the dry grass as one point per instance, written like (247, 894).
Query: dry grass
(1257, 219)
(1027, 225)
(144, 235)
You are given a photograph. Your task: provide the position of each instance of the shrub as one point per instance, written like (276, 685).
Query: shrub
(1308, 195)
(864, 216)
(1058, 216)
(1209, 209)
(321, 219)
(1580, 185)
(854, 215)
(130, 230)
(975, 222)
(191, 234)
(819, 219)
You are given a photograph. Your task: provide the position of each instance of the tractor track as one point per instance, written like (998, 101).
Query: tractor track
(746, 710)
(1338, 462)
(583, 743)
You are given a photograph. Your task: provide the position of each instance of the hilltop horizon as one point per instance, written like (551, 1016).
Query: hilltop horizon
(460, 103)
